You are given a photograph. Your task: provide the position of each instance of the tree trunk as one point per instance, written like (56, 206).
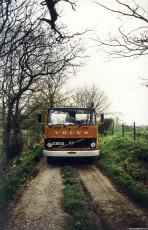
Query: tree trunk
(16, 147)
(7, 134)
(3, 124)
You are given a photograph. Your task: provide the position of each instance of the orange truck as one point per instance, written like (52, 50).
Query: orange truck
(71, 132)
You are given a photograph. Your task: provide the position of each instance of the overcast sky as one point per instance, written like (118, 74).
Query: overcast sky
(119, 78)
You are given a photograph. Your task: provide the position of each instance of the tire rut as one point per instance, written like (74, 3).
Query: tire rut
(39, 206)
(115, 210)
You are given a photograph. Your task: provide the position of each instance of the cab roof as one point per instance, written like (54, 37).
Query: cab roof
(70, 108)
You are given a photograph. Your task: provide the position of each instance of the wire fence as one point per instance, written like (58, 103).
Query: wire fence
(137, 133)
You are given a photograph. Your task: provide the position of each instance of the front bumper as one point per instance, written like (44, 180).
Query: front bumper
(91, 153)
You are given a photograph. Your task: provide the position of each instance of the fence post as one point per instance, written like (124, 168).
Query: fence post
(122, 130)
(113, 128)
(134, 131)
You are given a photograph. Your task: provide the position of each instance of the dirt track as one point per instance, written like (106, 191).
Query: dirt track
(39, 204)
(115, 210)
(39, 207)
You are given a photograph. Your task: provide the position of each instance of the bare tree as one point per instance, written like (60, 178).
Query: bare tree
(29, 54)
(52, 6)
(49, 94)
(16, 23)
(91, 94)
(144, 82)
(128, 43)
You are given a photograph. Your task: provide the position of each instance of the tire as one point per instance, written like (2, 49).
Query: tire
(50, 160)
(91, 160)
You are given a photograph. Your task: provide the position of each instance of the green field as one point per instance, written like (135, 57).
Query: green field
(126, 161)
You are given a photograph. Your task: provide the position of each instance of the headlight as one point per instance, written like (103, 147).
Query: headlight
(93, 144)
(49, 145)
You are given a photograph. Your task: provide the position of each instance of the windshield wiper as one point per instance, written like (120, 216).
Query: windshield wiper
(66, 124)
(56, 125)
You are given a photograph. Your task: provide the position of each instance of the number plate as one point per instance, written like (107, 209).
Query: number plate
(57, 143)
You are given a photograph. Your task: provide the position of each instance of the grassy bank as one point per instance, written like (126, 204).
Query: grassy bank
(17, 172)
(74, 203)
(126, 161)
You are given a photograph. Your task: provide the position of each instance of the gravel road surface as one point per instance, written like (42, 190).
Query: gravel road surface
(39, 207)
(115, 210)
(37, 204)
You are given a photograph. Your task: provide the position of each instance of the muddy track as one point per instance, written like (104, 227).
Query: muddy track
(113, 209)
(39, 205)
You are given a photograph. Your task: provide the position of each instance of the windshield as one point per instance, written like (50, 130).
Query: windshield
(71, 116)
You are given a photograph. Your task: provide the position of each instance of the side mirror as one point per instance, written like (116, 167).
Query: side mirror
(39, 118)
(102, 117)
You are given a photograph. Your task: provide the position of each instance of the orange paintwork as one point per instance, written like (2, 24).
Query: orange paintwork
(71, 132)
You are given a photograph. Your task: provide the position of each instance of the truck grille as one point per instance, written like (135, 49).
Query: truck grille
(68, 143)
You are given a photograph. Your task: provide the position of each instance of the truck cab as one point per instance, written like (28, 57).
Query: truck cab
(71, 132)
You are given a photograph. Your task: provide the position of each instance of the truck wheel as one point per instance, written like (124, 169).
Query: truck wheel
(91, 160)
(49, 160)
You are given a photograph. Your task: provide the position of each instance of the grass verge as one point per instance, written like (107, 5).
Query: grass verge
(74, 203)
(126, 162)
(16, 174)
